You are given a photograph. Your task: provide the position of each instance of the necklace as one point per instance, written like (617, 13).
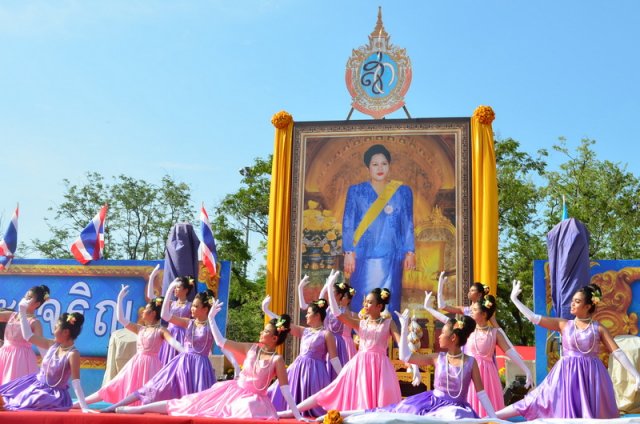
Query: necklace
(66, 349)
(593, 335)
(585, 319)
(456, 375)
(376, 321)
(316, 329)
(487, 336)
(193, 338)
(257, 367)
(64, 363)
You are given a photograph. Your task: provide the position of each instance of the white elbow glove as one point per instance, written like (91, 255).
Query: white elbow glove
(217, 336)
(528, 313)
(404, 353)
(150, 292)
(80, 395)
(124, 290)
(333, 302)
(265, 308)
(437, 315)
(486, 404)
(335, 363)
(165, 312)
(27, 333)
(626, 363)
(301, 285)
(515, 357)
(234, 363)
(176, 345)
(442, 281)
(286, 394)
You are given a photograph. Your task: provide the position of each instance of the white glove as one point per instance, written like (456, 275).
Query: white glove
(165, 312)
(124, 290)
(150, 292)
(404, 353)
(234, 363)
(437, 315)
(528, 313)
(286, 394)
(217, 336)
(626, 363)
(416, 379)
(335, 363)
(301, 285)
(333, 302)
(486, 404)
(80, 395)
(176, 345)
(442, 281)
(27, 333)
(515, 357)
(265, 308)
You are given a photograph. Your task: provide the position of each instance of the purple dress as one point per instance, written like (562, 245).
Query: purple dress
(187, 373)
(578, 385)
(167, 353)
(448, 399)
(336, 326)
(47, 390)
(307, 374)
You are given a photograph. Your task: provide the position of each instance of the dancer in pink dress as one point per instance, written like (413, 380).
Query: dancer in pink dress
(482, 346)
(245, 397)
(347, 332)
(48, 390)
(145, 363)
(16, 354)
(369, 379)
(578, 385)
(476, 292)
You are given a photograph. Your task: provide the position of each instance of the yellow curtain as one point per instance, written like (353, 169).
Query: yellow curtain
(279, 213)
(485, 198)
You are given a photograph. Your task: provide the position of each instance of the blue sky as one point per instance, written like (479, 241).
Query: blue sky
(187, 88)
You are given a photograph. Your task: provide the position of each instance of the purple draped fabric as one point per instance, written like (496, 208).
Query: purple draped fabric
(568, 248)
(181, 255)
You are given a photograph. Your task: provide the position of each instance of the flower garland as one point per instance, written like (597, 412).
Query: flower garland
(332, 417)
(484, 114)
(281, 119)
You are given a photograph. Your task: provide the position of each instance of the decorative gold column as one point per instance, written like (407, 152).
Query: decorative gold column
(485, 198)
(279, 213)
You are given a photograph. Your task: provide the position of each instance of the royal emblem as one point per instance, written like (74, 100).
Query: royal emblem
(378, 75)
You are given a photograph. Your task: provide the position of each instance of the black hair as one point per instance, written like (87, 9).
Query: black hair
(481, 288)
(590, 292)
(41, 293)
(72, 322)
(374, 150)
(383, 296)
(341, 289)
(487, 305)
(187, 282)
(282, 326)
(156, 305)
(319, 307)
(206, 297)
(462, 327)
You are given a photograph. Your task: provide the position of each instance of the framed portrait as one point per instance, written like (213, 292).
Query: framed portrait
(387, 202)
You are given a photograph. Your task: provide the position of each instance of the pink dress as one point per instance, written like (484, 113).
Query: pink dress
(368, 380)
(348, 341)
(16, 355)
(482, 346)
(245, 397)
(140, 368)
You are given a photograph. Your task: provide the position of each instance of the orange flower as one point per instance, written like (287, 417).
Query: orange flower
(485, 114)
(332, 417)
(281, 119)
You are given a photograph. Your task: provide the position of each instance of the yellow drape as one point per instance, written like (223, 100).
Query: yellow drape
(485, 199)
(279, 213)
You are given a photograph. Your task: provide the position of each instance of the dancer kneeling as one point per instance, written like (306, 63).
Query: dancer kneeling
(245, 397)
(453, 372)
(48, 390)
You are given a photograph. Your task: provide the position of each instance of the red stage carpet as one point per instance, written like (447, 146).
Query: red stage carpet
(77, 417)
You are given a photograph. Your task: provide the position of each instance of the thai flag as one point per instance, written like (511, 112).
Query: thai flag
(9, 243)
(90, 244)
(207, 249)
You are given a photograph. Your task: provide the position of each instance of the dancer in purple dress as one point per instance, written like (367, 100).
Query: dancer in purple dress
(245, 397)
(48, 390)
(180, 307)
(578, 385)
(16, 355)
(307, 374)
(145, 363)
(331, 322)
(190, 371)
(452, 376)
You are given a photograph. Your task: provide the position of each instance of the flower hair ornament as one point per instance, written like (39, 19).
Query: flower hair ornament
(486, 289)
(384, 294)
(458, 325)
(280, 325)
(321, 303)
(71, 319)
(487, 303)
(210, 300)
(46, 296)
(158, 301)
(352, 291)
(342, 286)
(191, 281)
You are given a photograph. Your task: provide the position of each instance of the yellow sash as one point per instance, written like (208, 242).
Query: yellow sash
(375, 209)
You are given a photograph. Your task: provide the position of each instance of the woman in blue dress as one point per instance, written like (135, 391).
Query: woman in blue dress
(377, 230)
